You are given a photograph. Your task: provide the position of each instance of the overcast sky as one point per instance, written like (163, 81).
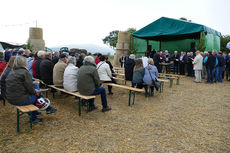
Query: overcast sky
(89, 21)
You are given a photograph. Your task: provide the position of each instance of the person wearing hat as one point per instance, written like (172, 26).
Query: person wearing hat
(129, 66)
(58, 71)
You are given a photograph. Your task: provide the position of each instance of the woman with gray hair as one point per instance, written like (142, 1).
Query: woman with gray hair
(151, 74)
(70, 75)
(20, 90)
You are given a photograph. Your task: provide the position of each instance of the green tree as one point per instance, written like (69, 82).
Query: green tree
(223, 42)
(111, 39)
(28, 46)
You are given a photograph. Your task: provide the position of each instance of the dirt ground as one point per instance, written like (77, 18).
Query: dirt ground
(190, 117)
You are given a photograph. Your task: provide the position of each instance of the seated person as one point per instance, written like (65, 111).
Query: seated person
(129, 65)
(138, 74)
(104, 72)
(88, 83)
(5, 73)
(20, 90)
(46, 69)
(70, 75)
(58, 71)
(151, 73)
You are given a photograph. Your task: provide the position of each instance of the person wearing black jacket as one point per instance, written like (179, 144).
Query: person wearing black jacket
(129, 65)
(41, 56)
(55, 58)
(157, 60)
(182, 61)
(80, 60)
(46, 69)
(211, 62)
(227, 66)
(175, 58)
(221, 63)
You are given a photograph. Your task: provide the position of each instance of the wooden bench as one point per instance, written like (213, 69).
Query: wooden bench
(173, 75)
(168, 77)
(132, 90)
(76, 94)
(25, 109)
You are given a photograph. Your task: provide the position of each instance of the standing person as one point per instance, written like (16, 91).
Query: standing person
(176, 58)
(46, 69)
(225, 55)
(157, 59)
(20, 90)
(7, 54)
(129, 65)
(104, 73)
(205, 66)
(88, 83)
(97, 59)
(211, 62)
(228, 67)
(122, 61)
(167, 60)
(151, 73)
(182, 62)
(189, 64)
(221, 63)
(198, 63)
(41, 55)
(138, 74)
(58, 71)
(70, 75)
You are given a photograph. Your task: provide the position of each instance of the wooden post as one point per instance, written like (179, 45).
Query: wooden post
(201, 35)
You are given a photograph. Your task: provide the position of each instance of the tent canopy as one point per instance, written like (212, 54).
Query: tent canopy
(170, 29)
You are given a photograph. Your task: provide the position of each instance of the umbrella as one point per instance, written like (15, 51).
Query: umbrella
(228, 45)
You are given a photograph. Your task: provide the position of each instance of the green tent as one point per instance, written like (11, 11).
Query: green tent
(173, 34)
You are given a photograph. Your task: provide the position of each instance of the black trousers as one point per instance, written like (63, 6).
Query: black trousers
(181, 68)
(110, 87)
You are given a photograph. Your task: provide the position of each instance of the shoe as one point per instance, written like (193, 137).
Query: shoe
(110, 93)
(36, 120)
(91, 108)
(51, 110)
(105, 109)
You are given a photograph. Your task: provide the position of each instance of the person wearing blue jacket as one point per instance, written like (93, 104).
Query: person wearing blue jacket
(151, 73)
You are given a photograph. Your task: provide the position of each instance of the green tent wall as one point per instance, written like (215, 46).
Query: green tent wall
(174, 35)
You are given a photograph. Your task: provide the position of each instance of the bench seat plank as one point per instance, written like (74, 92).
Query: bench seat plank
(124, 87)
(27, 108)
(77, 94)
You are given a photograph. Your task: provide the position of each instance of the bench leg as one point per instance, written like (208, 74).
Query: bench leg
(18, 121)
(161, 86)
(4, 102)
(79, 106)
(177, 81)
(30, 114)
(53, 95)
(130, 92)
(133, 97)
(171, 83)
(87, 104)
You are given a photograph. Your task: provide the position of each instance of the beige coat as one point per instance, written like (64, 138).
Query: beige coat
(198, 62)
(58, 73)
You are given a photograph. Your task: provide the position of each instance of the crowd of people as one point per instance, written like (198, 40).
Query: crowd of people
(213, 66)
(85, 74)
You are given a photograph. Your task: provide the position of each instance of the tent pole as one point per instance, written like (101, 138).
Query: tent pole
(201, 35)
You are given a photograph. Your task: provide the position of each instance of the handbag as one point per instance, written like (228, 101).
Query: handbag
(155, 82)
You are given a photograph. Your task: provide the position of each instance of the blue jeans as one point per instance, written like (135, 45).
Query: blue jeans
(101, 91)
(216, 74)
(211, 74)
(220, 72)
